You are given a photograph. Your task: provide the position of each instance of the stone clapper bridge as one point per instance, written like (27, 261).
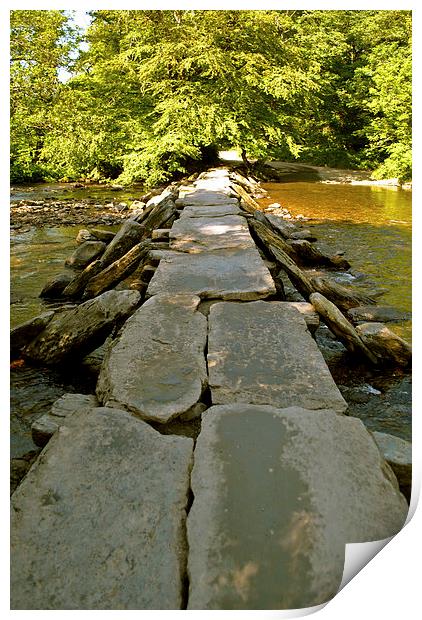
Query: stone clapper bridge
(253, 515)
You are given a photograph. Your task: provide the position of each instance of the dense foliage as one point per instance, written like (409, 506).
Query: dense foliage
(156, 91)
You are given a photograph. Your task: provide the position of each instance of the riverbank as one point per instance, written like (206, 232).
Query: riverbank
(325, 174)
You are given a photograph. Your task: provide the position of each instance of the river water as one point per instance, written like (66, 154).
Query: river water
(372, 225)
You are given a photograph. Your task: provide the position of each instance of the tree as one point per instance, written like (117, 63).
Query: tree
(184, 82)
(41, 42)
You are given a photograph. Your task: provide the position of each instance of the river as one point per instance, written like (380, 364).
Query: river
(372, 225)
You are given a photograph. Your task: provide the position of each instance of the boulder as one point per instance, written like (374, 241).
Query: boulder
(23, 334)
(398, 454)
(85, 254)
(102, 235)
(381, 314)
(278, 493)
(84, 235)
(55, 287)
(80, 329)
(156, 368)
(262, 353)
(130, 234)
(98, 522)
(385, 344)
(76, 286)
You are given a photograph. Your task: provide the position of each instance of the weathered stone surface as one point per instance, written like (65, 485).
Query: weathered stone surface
(44, 428)
(98, 521)
(55, 287)
(385, 344)
(93, 361)
(223, 274)
(85, 254)
(129, 235)
(262, 353)
(84, 235)
(157, 367)
(76, 286)
(19, 467)
(277, 495)
(81, 329)
(206, 197)
(118, 270)
(210, 211)
(23, 334)
(308, 312)
(168, 194)
(160, 233)
(398, 454)
(206, 233)
(341, 327)
(102, 235)
(382, 314)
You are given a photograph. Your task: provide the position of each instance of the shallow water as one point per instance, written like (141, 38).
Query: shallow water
(372, 225)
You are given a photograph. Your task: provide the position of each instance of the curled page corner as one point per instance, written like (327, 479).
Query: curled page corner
(358, 555)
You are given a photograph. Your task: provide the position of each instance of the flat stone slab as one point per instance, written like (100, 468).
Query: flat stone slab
(206, 233)
(210, 211)
(98, 521)
(224, 274)
(203, 196)
(277, 495)
(157, 368)
(262, 353)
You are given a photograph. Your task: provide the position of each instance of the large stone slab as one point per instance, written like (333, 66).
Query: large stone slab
(224, 274)
(262, 353)
(277, 495)
(202, 196)
(157, 368)
(206, 233)
(98, 521)
(210, 211)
